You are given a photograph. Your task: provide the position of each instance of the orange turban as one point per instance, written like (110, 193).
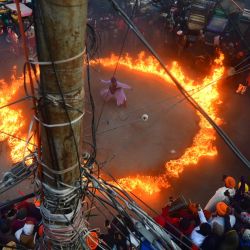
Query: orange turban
(92, 240)
(230, 182)
(221, 208)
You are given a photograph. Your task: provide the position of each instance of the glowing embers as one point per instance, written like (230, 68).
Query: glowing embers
(205, 94)
(12, 121)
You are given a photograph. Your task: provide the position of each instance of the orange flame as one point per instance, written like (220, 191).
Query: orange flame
(12, 120)
(207, 98)
(148, 184)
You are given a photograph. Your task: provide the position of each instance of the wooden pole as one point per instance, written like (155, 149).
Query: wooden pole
(60, 33)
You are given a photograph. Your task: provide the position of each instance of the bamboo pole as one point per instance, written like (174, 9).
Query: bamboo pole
(60, 33)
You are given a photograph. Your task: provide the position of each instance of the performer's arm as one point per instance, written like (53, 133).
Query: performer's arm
(106, 81)
(123, 85)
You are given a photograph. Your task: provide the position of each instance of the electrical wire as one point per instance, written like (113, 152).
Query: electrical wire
(104, 215)
(103, 202)
(26, 29)
(92, 107)
(241, 62)
(17, 200)
(15, 102)
(18, 138)
(237, 5)
(111, 193)
(174, 236)
(80, 237)
(93, 40)
(92, 158)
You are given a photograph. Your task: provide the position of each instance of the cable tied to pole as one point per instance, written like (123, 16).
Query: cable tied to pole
(31, 60)
(72, 220)
(58, 125)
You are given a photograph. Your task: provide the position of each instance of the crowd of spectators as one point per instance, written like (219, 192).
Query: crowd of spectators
(223, 224)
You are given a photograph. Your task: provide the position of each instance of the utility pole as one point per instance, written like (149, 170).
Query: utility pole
(60, 32)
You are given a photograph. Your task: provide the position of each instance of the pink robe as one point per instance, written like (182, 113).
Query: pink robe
(119, 93)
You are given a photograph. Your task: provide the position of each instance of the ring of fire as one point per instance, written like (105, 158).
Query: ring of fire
(206, 94)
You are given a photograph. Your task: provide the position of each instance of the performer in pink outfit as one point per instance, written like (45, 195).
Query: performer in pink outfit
(115, 90)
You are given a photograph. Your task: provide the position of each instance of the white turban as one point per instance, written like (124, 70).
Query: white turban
(28, 229)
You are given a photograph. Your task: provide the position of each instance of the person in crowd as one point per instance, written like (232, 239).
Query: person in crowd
(229, 185)
(245, 218)
(11, 214)
(230, 238)
(115, 90)
(108, 237)
(210, 242)
(242, 188)
(242, 88)
(20, 220)
(181, 42)
(230, 241)
(245, 239)
(186, 226)
(226, 227)
(202, 231)
(189, 212)
(8, 213)
(26, 235)
(217, 41)
(223, 219)
(117, 233)
(221, 235)
(32, 209)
